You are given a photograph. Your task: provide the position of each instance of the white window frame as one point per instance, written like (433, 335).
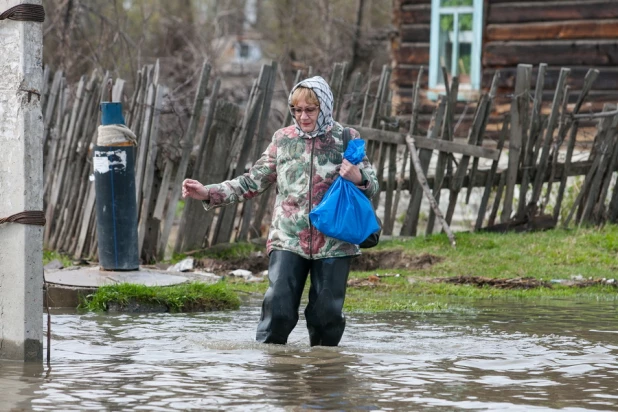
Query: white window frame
(466, 91)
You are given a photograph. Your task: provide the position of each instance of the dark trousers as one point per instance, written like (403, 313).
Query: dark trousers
(287, 274)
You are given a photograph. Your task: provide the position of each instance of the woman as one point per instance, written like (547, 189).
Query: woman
(303, 160)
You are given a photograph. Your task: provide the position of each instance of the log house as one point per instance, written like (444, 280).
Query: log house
(579, 34)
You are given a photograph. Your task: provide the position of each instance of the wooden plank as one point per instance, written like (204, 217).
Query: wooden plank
(462, 168)
(389, 217)
(481, 135)
(416, 33)
(490, 177)
(86, 220)
(557, 3)
(406, 2)
(427, 106)
(497, 199)
(563, 52)
(55, 145)
(549, 133)
(82, 167)
(218, 144)
(336, 83)
(382, 86)
(59, 173)
(564, 122)
(592, 185)
(420, 174)
(400, 182)
(424, 156)
(367, 91)
(406, 228)
(288, 115)
(584, 189)
(118, 90)
(607, 129)
(406, 75)
(354, 111)
(263, 142)
(427, 143)
(69, 237)
(379, 110)
(531, 137)
(607, 78)
(567, 166)
(612, 214)
(45, 86)
(480, 179)
(168, 170)
(149, 167)
(418, 53)
(144, 145)
(519, 113)
(447, 135)
(551, 11)
(71, 177)
(415, 14)
(569, 29)
(598, 211)
(375, 111)
(187, 146)
(227, 216)
(138, 110)
(54, 93)
(133, 102)
(212, 107)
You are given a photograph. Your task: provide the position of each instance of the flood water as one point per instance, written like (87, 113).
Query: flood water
(515, 356)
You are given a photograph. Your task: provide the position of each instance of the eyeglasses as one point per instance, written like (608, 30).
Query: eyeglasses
(297, 111)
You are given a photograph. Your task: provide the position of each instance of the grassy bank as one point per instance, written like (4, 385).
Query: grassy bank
(188, 297)
(550, 257)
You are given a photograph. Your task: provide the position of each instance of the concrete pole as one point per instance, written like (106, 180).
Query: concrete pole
(21, 187)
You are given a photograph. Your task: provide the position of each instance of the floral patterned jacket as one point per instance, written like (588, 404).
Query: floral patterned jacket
(303, 169)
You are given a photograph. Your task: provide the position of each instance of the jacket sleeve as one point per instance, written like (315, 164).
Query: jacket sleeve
(370, 185)
(260, 176)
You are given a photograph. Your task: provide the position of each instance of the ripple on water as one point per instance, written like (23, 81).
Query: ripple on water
(507, 356)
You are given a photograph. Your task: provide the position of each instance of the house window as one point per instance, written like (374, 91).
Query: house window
(456, 40)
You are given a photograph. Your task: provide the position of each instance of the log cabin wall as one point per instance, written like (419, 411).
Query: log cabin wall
(579, 34)
(410, 51)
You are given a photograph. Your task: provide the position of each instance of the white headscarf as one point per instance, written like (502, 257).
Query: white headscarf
(325, 97)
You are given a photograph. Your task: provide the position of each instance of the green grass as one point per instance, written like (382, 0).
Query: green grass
(557, 254)
(180, 298)
(49, 256)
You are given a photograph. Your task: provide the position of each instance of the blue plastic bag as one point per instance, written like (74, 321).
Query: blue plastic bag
(345, 213)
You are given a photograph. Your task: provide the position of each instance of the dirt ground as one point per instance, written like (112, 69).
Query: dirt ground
(393, 259)
(368, 261)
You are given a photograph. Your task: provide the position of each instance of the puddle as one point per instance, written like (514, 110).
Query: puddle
(506, 355)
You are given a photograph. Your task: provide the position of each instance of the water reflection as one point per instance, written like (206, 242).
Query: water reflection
(560, 355)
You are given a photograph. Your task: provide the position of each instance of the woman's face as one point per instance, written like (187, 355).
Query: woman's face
(306, 115)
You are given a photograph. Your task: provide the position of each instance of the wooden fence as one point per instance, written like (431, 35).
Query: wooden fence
(219, 142)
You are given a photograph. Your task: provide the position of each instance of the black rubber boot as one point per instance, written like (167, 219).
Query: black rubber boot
(324, 313)
(287, 274)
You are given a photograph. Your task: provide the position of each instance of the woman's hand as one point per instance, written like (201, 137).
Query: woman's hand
(350, 172)
(194, 189)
